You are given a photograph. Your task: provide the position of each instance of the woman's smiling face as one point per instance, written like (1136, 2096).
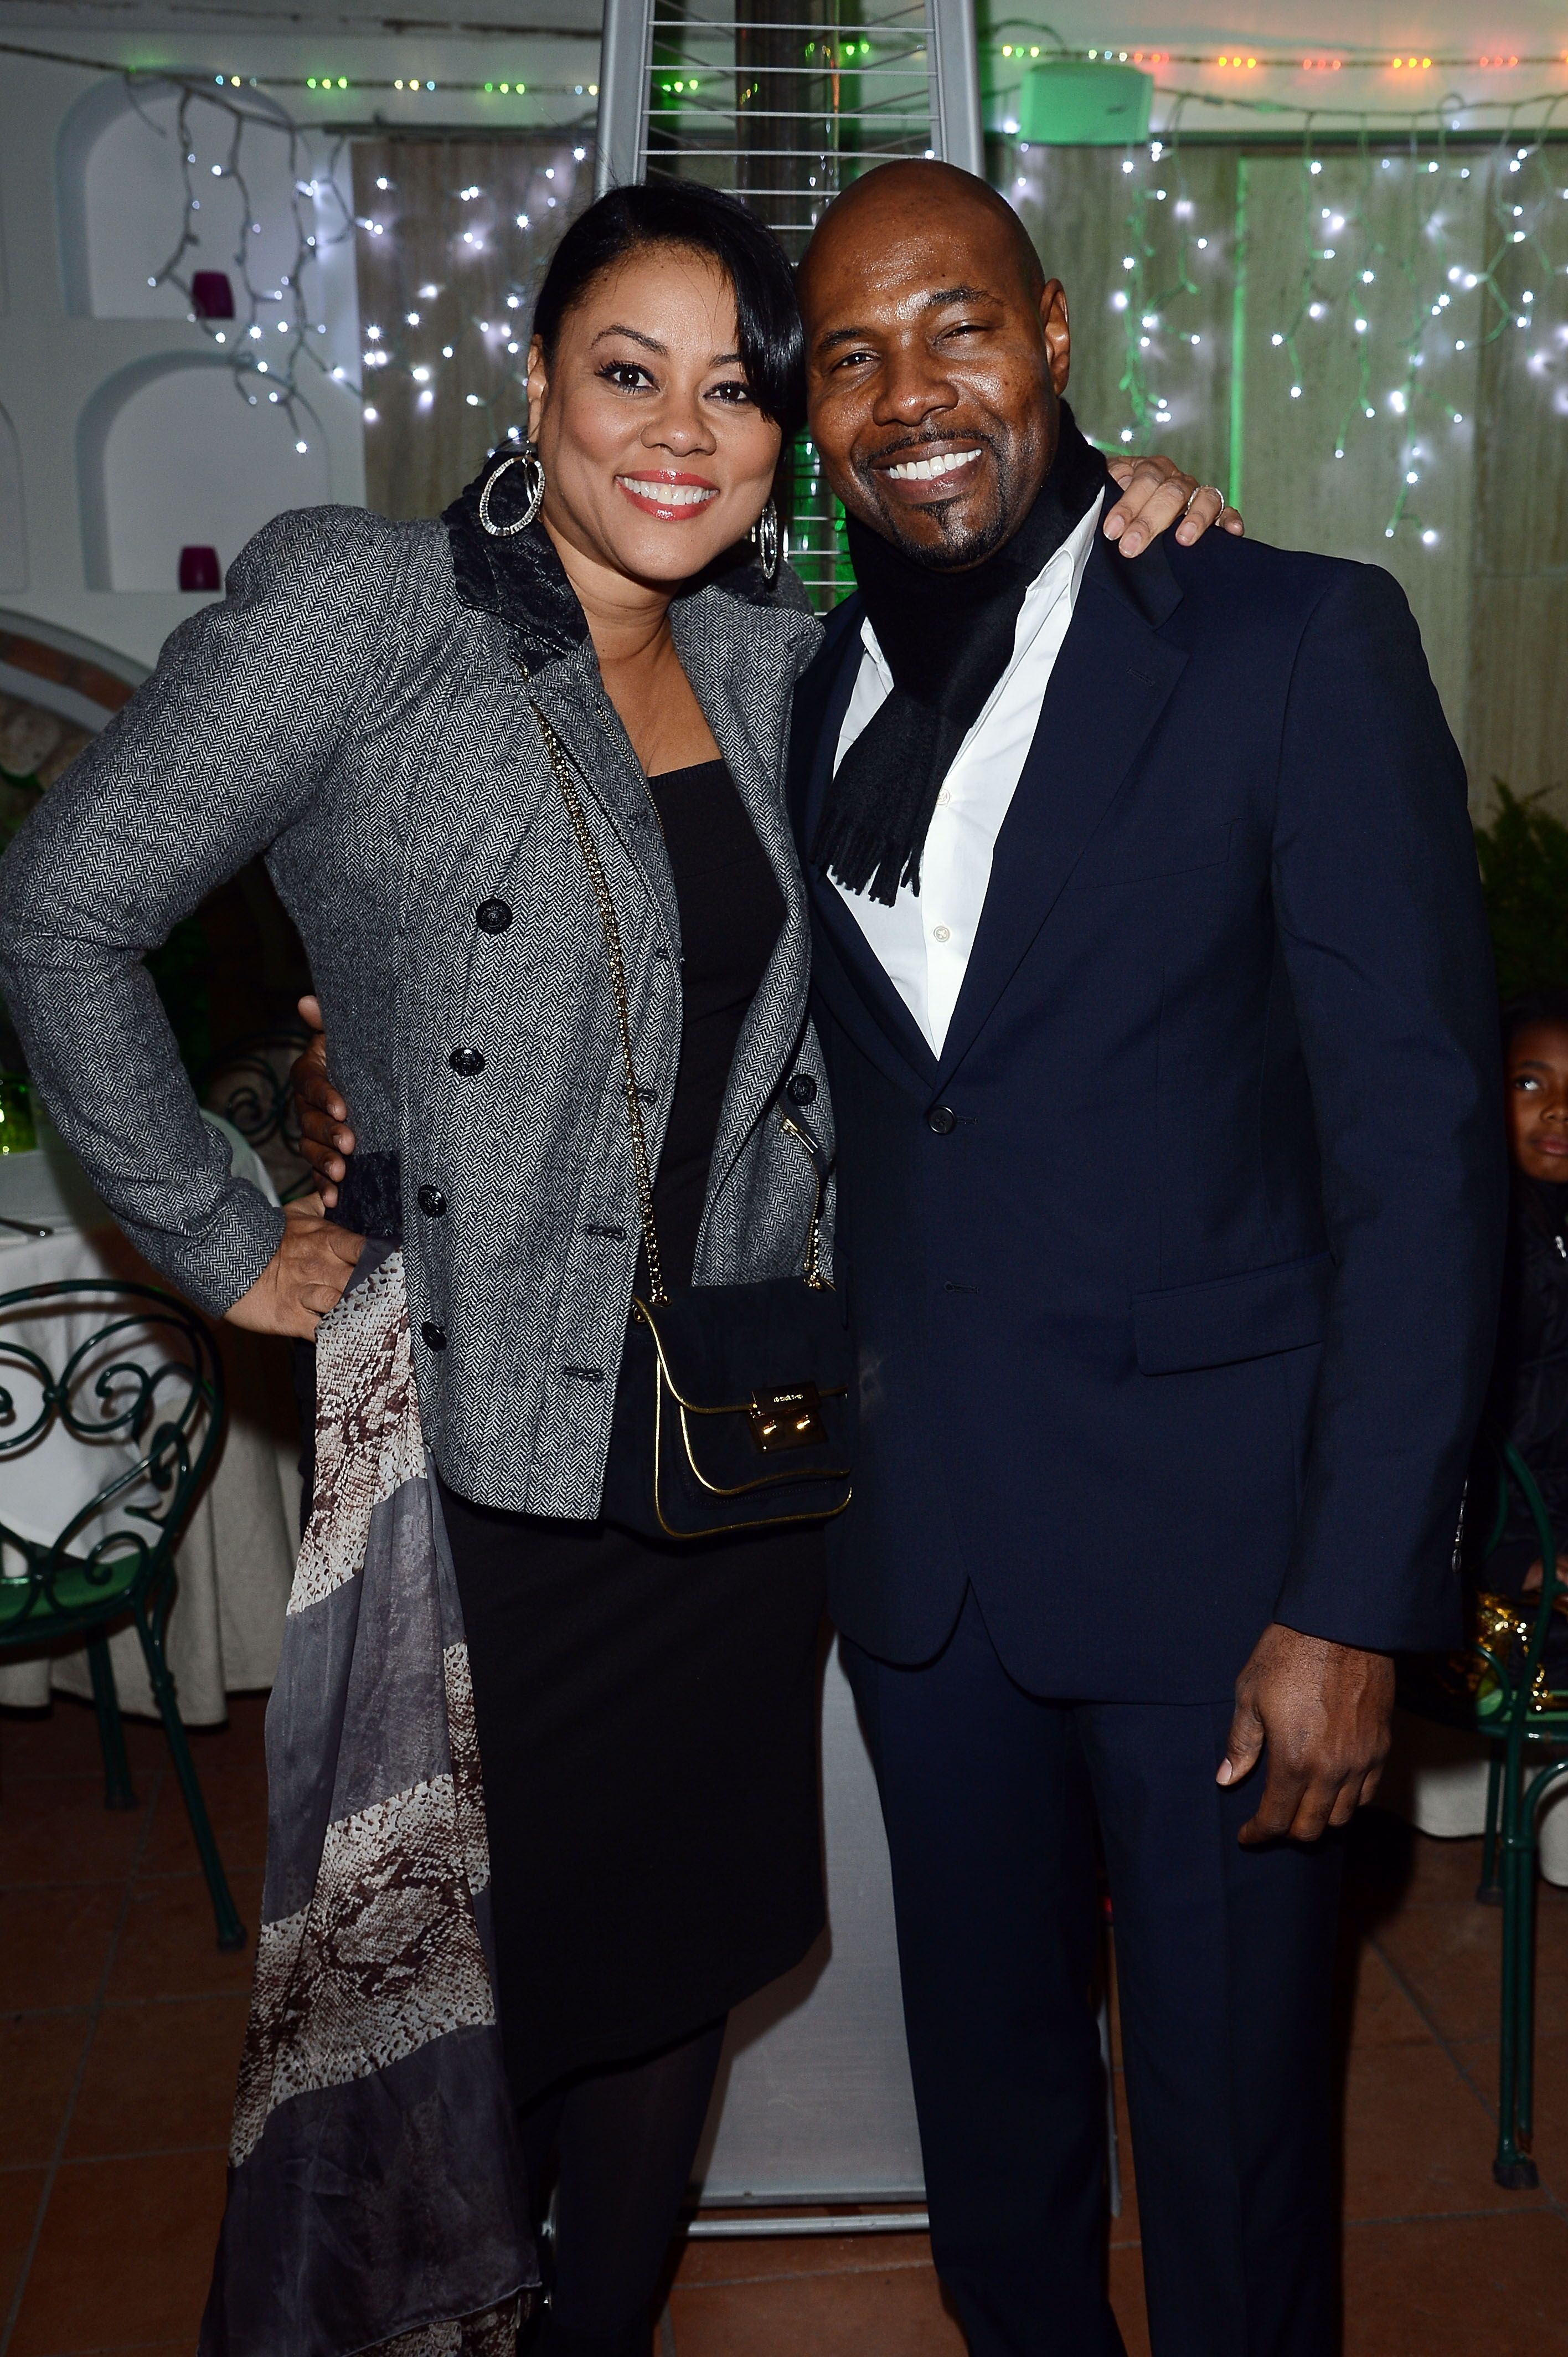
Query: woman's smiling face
(656, 456)
(1538, 1100)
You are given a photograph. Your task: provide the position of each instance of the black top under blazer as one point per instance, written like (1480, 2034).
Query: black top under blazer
(1175, 1276)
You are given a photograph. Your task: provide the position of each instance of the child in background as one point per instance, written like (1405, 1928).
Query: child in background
(1530, 1385)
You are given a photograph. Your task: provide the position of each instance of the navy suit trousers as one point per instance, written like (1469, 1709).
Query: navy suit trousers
(1224, 1965)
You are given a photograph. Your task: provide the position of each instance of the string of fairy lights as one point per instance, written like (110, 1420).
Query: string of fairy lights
(334, 88)
(1247, 61)
(1418, 258)
(1418, 240)
(317, 215)
(430, 326)
(274, 337)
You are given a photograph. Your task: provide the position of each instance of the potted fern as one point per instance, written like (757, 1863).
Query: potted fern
(1524, 852)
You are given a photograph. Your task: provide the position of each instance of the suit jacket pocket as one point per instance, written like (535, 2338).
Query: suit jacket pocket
(1141, 855)
(1232, 1317)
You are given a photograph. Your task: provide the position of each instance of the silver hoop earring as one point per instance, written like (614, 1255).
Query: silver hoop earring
(533, 478)
(765, 539)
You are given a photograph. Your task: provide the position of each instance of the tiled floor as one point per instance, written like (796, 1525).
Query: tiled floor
(120, 2029)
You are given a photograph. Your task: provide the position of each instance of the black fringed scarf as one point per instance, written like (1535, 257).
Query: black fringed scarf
(947, 638)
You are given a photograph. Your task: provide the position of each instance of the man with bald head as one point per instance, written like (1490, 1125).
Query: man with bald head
(1154, 987)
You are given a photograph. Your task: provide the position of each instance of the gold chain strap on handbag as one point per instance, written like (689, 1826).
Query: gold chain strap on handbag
(611, 929)
(813, 1272)
(590, 852)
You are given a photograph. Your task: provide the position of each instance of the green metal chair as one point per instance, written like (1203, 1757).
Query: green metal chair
(1499, 1689)
(147, 1380)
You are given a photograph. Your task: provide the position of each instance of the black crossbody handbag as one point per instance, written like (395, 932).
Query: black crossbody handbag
(733, 1409)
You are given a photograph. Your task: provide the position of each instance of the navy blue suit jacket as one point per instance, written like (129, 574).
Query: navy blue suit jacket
(1182, 1323)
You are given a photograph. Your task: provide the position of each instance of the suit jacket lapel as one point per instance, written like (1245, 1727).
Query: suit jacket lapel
(490, 801)
(607, 772)
(1109, 686)
(850, 977)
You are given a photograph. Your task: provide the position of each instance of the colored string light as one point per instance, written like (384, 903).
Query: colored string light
(1285, 61)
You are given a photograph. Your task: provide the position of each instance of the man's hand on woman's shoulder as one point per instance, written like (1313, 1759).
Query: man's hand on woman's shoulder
(1155, 495)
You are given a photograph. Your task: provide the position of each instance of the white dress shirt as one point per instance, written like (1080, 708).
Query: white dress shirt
(923, 942)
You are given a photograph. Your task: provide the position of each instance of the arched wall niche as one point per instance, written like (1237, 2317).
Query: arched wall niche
(81, 679)
(120, 198)
(13, 515)
(169, 455)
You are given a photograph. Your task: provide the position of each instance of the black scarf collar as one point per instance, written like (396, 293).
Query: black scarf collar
(524, 583)
(947, 638)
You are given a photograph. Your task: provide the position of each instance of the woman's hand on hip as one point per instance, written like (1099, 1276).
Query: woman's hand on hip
(305, 1278)
(325, 1138)
(1155, 494)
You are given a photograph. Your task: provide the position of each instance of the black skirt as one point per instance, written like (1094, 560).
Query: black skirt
(647, 1720)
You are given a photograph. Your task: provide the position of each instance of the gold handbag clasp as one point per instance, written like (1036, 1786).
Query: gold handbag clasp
(787, 1419)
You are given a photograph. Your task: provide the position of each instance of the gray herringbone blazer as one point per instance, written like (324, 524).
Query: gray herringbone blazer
(358, 709)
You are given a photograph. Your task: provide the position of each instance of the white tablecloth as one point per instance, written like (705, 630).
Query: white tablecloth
(1436, 1779)
(236, 1561)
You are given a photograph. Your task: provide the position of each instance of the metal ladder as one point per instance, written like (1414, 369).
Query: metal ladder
(784, 102)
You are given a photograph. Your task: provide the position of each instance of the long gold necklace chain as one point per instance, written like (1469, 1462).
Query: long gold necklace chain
(618, 993)
(611, 931)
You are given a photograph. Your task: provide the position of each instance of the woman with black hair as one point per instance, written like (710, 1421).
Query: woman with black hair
(459, 744)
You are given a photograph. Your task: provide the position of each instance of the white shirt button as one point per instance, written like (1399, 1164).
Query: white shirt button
(941, 934)
(946, 794)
